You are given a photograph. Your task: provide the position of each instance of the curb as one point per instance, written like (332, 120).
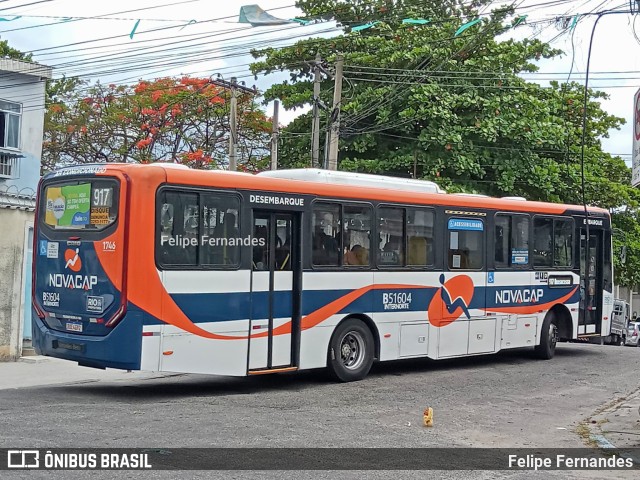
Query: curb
(34, 359)
(596, 434)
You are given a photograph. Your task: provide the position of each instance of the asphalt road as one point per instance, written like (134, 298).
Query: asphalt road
(505, 400)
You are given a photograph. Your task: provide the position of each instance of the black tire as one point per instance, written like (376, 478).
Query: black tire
(351, 351)
(620, 341)
(548, 338)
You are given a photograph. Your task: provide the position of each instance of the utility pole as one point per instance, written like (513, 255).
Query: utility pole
(274, 136)
(233, 134)
(315, 126)
(335, 115)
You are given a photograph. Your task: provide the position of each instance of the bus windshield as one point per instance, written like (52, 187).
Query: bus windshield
(87, 204)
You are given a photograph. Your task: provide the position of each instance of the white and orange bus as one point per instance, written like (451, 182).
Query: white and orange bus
(163, 268)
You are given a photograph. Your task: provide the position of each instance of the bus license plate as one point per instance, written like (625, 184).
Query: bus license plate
(74, 327)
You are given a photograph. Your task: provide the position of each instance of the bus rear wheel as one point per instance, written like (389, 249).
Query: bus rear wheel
(350, 351)
(548, 338)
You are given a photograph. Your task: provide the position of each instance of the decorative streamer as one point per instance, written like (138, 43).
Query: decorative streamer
(363, 27)
(520, 19)
(575, 22)
(467, 25)
(415, 21)
(135, 27)
(2, 19)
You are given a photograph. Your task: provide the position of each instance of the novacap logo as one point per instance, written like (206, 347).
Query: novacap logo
(72, 259)
(451, 300)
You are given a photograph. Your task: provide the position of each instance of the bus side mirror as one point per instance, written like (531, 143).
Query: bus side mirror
(623, 254)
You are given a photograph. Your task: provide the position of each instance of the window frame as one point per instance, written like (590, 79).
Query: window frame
(372, 232)
(403, 265)
(483, 246)
(428, 266)
(511, 215)
(11, 113)
(554, 218)
(199, 266)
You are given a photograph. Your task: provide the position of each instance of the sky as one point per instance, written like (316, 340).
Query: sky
(203, 37)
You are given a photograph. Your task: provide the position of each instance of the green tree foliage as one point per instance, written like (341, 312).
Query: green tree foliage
(184, 120)
(9, 52)
(419, 100)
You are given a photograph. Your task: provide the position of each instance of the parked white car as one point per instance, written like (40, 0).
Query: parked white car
(633, 334)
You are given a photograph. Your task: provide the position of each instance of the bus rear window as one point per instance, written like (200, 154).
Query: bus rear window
(81, 205)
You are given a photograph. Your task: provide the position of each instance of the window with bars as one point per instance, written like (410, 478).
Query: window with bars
(9, 166)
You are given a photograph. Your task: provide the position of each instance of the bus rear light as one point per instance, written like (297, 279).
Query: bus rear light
(34, 300)
(113, 321)
(39, 312)
(147, 334)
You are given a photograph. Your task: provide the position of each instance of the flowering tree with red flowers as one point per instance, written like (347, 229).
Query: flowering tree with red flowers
(183, 120)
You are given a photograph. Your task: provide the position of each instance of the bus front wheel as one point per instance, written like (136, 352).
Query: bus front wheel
(351, 351)
(548, 338)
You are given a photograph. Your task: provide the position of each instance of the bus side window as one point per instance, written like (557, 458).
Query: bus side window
(327, 229)
(511, 241)
(178, 223)
(543, 240)
(357, 235)
(391, 237)
(419, 228)
(223, 248)
(466, 239)
(562, 242)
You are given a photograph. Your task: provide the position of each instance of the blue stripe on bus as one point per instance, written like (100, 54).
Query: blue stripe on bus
(221, 307)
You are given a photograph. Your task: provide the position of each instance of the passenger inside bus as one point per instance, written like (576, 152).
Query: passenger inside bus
(358, 255)
(325, 248)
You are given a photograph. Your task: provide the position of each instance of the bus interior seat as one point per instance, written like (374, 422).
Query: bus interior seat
(418, 251)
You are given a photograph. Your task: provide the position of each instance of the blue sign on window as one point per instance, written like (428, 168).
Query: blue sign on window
(465, 224)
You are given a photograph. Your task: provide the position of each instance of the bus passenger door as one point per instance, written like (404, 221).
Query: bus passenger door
(591, 284)
(275, 291)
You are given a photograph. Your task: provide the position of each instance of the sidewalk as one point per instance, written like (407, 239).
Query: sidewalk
(617, 424)
(39, 371)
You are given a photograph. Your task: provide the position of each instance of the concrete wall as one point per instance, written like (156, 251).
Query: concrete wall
(13, 224)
